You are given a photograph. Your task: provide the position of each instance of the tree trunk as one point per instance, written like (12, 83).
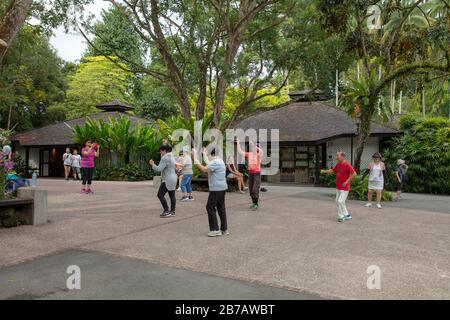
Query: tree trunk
(220, 100)
(12, 22)
(363, 134)
(177, 81)
(231, 50)
(201, 101)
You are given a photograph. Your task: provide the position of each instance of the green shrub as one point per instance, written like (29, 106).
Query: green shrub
(425, 146)
(20, 166)
(129, 172)
(359, 187)
(328, 180)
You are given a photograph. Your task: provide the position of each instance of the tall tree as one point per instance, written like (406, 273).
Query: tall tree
(11, 22)
(385, 56)
(97, 80)
(196, 44)
(32, 79)
(115, 36)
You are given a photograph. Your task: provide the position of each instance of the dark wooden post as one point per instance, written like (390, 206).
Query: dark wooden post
(317, 166)
(324, 156)
(27, 161)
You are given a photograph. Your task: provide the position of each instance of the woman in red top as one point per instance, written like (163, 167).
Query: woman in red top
(344, 174)
(254, 158)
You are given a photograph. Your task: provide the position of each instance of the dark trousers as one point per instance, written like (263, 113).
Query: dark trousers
(87, 175)
(216, 202)
(161, 196)
(254, 184)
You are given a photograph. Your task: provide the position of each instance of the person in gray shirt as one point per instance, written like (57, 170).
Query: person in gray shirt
(168, 180)
(217, 182)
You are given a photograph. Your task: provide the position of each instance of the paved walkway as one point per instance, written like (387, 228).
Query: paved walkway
(294, 242)
(105, 276)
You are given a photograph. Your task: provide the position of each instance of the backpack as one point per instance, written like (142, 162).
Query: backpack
(402, 173)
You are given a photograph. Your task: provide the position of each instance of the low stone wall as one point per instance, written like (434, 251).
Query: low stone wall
(13, 216)
(39, 196)
(30, 208)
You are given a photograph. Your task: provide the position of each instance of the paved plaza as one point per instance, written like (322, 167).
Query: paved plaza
(292, 248)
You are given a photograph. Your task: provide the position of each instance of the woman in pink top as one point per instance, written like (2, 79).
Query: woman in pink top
(88, 154)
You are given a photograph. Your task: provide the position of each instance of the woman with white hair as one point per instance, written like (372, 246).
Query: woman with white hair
(402, 168)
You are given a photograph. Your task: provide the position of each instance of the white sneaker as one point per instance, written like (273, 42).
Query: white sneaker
(214, 233)
(379, 206)
(368, 205)
(226, 233)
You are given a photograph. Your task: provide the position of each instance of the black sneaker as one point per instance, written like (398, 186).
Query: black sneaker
(172, 213)
(165, 214)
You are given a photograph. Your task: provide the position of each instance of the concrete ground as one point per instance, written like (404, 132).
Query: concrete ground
(293, 247)
(106, 276)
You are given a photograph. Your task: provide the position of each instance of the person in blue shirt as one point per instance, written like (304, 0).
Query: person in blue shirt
(217, 182)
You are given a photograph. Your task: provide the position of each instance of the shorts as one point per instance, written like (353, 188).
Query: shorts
(399, 186)
(76, 169)
(231, 176)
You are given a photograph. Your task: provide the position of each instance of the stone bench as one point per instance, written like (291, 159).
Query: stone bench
(29, 208)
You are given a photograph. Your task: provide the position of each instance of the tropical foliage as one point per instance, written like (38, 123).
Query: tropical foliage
(32, 79)
(413, 43)
(122, 143)
(425, 146)
(180, 61)
(129, 172)
(359, 189)
(6, 167)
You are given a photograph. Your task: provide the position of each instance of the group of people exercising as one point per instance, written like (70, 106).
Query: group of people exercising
(216, 170)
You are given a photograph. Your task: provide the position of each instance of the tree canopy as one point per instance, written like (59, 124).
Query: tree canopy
(96, 80)
(31, 80)
(227, 58)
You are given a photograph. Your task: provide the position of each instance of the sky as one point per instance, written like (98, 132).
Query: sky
(70, 47)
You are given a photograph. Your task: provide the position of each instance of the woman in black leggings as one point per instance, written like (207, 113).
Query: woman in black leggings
(88, 155)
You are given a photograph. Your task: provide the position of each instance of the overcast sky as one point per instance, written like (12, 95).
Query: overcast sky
(71, 46)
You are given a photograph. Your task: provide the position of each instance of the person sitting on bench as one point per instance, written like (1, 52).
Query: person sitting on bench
(233, 173)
